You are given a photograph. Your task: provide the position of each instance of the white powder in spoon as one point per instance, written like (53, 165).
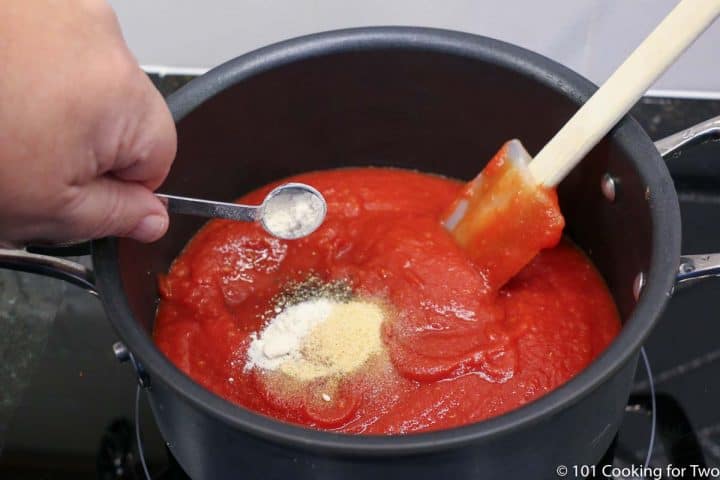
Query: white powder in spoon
(293, 215)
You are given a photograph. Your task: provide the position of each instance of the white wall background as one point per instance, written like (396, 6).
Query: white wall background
(590, 36)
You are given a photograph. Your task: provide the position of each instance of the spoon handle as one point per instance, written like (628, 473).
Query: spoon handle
(209, 209)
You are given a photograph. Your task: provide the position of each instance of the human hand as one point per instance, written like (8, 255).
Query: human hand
(84, 136)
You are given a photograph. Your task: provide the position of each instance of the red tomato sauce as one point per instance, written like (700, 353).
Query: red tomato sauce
(456, 351)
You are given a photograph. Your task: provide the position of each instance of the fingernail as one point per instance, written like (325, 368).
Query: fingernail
(150, 228)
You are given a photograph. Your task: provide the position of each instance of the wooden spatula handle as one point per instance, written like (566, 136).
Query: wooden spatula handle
(624, 87)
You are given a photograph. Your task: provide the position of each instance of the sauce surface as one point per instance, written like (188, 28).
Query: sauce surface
(456, 351)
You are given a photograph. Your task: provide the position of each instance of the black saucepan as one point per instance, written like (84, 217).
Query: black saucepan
(432, 100)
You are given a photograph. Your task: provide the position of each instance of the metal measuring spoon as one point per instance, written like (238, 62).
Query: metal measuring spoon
(290, 211)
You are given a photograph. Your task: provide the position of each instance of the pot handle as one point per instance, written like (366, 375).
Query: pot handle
(51, 266)
(693, 267)
(700, 133)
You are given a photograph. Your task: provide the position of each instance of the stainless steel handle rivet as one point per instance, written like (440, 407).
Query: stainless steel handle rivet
(607, 186)
(638, 285)
(122, 354)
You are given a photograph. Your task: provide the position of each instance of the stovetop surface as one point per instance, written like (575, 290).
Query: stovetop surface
(66, 405)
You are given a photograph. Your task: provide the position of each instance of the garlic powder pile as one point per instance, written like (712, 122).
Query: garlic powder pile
(318, 337)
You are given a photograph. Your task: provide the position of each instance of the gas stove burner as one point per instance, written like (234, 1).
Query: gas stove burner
(121, 455)
(116, 458)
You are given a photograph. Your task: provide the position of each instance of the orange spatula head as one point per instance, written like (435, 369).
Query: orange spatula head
(503, 218)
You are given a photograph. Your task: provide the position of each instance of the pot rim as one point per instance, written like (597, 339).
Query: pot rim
(664, 211)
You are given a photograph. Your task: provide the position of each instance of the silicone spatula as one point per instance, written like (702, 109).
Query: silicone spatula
(507, 214)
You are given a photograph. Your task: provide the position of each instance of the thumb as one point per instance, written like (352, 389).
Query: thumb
(112, 207)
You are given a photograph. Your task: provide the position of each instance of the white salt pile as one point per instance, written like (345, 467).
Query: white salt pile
(280, 340)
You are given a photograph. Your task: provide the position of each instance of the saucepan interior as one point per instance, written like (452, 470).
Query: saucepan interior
(432, 101)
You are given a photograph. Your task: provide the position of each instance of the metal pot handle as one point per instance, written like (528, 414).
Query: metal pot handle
(47, 261)
(51, 266)
(700, 133)
(693, 267)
